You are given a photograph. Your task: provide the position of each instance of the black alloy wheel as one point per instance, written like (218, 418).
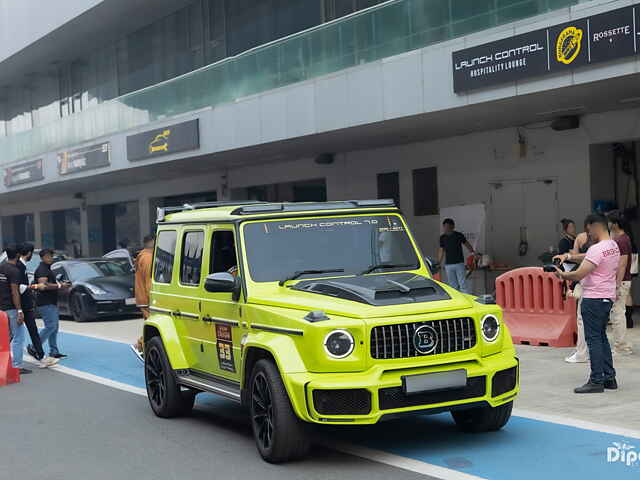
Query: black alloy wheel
(166, 397)
(78, 312)
(279, 434)
(156, 385)
(262, 411)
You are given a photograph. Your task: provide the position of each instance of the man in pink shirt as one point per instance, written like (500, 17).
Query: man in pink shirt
(597, 275)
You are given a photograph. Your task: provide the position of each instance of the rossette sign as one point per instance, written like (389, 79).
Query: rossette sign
(599, 38)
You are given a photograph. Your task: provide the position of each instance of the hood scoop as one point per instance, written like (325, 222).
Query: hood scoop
(378, 290)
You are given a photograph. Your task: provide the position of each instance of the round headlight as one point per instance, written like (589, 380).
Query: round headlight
(490, 326)
(339, 344)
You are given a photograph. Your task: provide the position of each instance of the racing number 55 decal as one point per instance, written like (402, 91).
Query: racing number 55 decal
(225, 348)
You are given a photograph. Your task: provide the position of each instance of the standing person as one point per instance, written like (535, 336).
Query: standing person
(48, 288)
(451, 243)
(623, 280)
(11, 304)
(576, 255)
(143, 284)
(29, 308)
(597, 274)
(568, 236)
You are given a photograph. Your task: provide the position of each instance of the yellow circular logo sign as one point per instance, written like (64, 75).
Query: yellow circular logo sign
(568, 45)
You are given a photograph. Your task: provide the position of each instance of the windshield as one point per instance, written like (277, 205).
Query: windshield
(86, 270)
(277, 249)
(33, 264)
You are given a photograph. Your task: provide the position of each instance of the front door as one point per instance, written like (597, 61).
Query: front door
(220, 312)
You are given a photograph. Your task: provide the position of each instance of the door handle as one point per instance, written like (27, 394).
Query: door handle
(176, 313)
(207, 319)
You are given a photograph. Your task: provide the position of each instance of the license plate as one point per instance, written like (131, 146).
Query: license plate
(130, 301)
(430, 382)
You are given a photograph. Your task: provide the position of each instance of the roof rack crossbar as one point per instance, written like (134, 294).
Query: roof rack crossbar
(301, 206)
(163, 211)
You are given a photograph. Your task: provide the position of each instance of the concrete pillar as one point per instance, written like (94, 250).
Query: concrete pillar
(144, 209)
(37, 230)
(84, 231)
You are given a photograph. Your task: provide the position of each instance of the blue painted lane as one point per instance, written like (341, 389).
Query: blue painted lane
(525, 449)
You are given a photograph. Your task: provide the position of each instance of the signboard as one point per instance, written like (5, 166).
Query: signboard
(85, 158)
(599, 38)
(25, 172)
(164, 141)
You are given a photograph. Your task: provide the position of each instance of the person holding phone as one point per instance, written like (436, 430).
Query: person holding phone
(598, 276)
(48, 287)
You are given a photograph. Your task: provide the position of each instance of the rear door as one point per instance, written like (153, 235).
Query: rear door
(166, 297)
(187, 303)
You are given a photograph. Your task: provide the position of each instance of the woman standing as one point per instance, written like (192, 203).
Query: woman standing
(568, 236)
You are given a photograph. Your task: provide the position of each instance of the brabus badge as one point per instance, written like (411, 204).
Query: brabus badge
(425, 339)
(568, 45)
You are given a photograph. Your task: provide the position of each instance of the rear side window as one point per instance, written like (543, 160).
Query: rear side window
(191, 262)
(165, 253)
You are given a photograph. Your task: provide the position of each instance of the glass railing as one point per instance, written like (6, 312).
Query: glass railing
(389, 29)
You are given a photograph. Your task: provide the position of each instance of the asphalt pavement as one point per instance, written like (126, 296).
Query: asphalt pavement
(58, 427)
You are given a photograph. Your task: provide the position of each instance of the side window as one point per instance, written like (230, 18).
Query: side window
(191, 261)
(165, 253)
(223, 252)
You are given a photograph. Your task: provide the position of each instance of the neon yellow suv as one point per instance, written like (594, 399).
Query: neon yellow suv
(320, 313)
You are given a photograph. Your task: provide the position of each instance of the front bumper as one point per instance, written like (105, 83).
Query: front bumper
(367, 397)
(100, 308)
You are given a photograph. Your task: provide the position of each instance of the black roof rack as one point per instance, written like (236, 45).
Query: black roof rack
(252, 207)
(304, 206)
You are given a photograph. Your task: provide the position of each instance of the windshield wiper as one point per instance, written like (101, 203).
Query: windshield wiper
(387, 265)
(295, 275)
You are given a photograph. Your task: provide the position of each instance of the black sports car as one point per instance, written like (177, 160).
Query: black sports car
(99, 288)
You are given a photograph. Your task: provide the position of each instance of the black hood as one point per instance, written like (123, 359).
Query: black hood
(378, 290)
(115, 285)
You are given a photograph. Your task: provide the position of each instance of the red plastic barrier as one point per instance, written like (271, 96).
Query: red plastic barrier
(8, 374)
(534, 309)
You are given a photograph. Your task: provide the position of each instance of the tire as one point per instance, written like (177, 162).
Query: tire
(483, 419)
(166, 398)
(77, 308)
(279, 434)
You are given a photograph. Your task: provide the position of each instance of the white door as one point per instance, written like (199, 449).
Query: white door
(522, 211)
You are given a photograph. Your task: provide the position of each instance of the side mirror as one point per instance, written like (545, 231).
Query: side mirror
(222, 282)
(59, 277)
(433, 265)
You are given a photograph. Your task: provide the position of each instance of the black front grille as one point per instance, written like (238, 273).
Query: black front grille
(396, 341)
(504, 381)
(342, 402)
(395, 398)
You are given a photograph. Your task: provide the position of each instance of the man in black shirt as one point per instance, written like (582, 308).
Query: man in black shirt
(11, 304)
(48, 287)
(29, 308)
(451, 243)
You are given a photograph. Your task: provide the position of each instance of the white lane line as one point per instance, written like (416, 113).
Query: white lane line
(96, 379)
(571, 422)
(362, 452)
(402, 462)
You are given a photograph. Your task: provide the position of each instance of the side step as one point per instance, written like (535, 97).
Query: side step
(209, 383)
